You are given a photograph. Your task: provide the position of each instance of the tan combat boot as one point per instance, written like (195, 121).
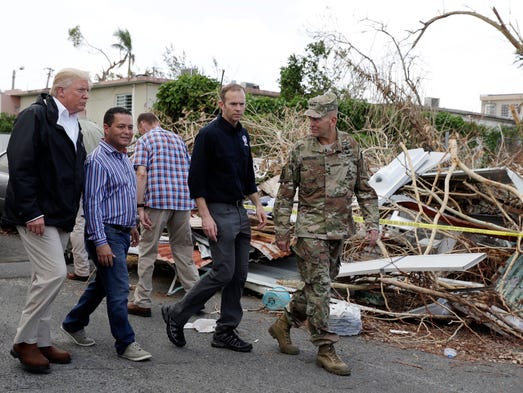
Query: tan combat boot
(281, 331)
(330, 361)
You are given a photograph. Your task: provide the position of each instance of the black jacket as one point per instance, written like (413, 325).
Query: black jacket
(45, 172)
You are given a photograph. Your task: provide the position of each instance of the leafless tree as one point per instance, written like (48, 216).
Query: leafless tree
(392, 81)
(510, 32)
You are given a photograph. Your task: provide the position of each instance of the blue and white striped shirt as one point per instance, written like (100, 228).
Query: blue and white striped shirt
(109, 191)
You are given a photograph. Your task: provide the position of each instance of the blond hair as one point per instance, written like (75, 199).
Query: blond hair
(65, 77)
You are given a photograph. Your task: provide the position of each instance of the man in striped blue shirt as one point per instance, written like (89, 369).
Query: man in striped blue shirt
(110, 217)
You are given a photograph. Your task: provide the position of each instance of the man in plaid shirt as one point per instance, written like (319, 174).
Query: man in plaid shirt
(161, 161)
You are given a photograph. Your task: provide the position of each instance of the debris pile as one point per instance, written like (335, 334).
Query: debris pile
(450, 250)
(450, 247)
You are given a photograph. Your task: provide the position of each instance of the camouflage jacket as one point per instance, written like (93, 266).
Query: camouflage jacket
(326, 183)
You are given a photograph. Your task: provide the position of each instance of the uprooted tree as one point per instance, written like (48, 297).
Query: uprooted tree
(381, 95)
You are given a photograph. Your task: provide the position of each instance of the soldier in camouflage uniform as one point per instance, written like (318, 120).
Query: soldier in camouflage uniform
(328, 169)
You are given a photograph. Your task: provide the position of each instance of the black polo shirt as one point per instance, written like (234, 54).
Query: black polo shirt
(221, 163)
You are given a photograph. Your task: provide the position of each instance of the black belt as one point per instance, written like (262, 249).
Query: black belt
(120, 228)
(238, 203)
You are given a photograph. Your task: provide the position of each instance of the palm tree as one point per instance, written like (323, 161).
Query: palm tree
(125, 45)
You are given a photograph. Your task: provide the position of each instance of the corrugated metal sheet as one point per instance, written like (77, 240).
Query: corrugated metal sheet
(266, 244)
(510, 283)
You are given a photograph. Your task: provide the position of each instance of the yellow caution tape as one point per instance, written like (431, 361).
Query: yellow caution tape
(413, 224)
(452, 228)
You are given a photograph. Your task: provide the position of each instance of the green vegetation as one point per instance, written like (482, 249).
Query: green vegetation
(6, 122)
(188, 97)
(306, 75)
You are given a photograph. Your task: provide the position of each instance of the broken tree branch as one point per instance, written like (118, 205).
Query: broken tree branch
(513, 37)
(473, 309)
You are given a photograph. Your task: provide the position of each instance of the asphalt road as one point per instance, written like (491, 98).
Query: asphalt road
(198, 367)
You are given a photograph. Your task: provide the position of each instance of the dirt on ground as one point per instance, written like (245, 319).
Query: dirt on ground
(471, 342)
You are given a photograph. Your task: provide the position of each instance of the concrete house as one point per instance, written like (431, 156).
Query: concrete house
(137, 94)
(500, 105)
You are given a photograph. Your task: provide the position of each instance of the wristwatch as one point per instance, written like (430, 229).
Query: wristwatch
(140, 205)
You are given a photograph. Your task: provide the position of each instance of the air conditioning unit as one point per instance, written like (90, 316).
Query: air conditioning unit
(432, 102)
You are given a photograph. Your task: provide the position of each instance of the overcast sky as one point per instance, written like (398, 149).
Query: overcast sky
(459, 58)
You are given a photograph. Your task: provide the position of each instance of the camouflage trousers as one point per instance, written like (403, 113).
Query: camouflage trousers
(318, 263)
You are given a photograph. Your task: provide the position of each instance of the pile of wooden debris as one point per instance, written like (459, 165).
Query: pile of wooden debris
(449, 255)
(432, 206)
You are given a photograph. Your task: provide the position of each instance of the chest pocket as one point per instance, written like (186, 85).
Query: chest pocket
(342, 172)
(312, 175)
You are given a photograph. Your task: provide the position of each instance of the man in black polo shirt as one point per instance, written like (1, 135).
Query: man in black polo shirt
(220, 176)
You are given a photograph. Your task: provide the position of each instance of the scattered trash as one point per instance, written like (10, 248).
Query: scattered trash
(439, 307)
(345, 319)
(276, 299)
(395, 331)
(203, 325)
(451, 353)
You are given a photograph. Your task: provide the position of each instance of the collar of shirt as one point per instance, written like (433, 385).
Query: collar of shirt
(67, 121)
(109, 149)
(229, 126)
(319, 148)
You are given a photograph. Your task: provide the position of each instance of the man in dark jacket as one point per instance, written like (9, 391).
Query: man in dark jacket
(46, 156)
(220, 176)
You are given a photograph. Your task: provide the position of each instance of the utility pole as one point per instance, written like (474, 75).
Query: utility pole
(14, 77)
(49, 74)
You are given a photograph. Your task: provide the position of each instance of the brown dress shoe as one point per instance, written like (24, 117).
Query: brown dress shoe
(74, 276)
(55, 355)
(137, 310)
(31, 358)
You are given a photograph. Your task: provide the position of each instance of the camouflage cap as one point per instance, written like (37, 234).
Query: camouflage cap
(320, 105)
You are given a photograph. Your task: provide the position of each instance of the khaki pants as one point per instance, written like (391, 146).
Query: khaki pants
(80, 257)
(180, 240)
(46, 254)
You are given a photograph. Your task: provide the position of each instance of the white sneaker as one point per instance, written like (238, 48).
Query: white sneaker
(135, 353)
(79, 337)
